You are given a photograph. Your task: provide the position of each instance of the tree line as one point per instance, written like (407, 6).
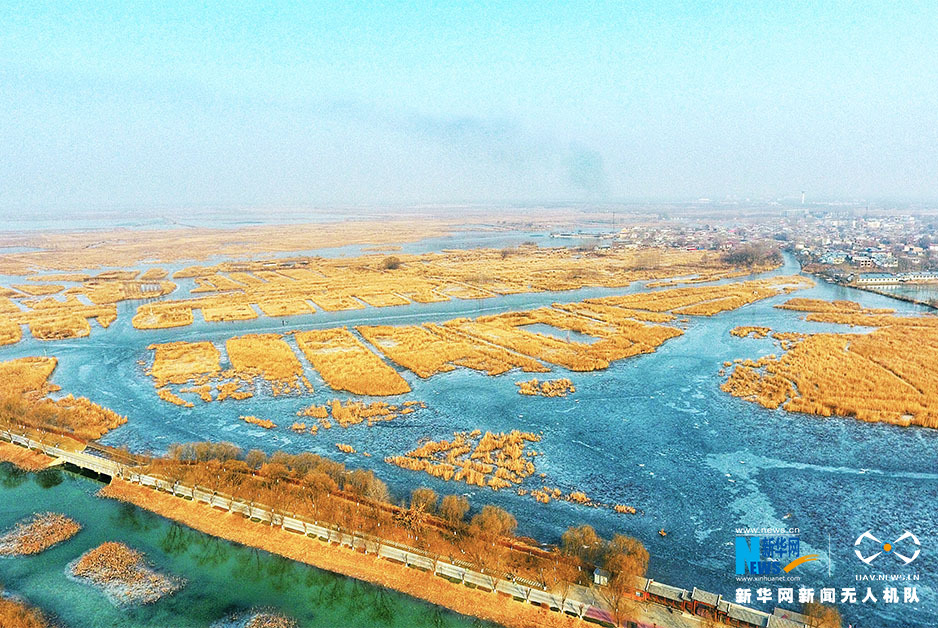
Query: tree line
(356, 501)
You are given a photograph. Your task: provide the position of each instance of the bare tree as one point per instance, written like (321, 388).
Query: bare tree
(626, 559)
(453, 509)
(424, 499)
(582, 542)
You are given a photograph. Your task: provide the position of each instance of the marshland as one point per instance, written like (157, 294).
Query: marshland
(631, 435)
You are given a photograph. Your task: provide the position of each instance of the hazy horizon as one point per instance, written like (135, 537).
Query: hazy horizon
(125, 106)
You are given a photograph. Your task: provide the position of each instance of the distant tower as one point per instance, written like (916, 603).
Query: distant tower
(802, 197)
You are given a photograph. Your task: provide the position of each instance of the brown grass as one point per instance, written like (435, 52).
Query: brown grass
(282, 287)
(179, 362)
(270, 357)
(267, 424)
(346, 364)
(15, 614)
(26, 459)
(38, 290)
(547, 388)
(756, 332)
(23, 389)
(430, 349)
(493, 460)
(616, 339)
(221, 311)
(163, 315)
(38, 534)
(888, 375)
(707, 300)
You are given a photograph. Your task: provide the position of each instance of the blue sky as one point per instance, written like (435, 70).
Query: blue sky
(166, 104)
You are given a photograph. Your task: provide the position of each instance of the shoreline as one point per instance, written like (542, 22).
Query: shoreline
(493, 607)
(898, 297)
(22, 458)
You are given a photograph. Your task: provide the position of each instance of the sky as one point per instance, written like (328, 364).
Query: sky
(140, 105)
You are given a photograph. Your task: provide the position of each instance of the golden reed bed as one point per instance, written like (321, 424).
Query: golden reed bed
(889, 374)
(493, 344)
(23, 387)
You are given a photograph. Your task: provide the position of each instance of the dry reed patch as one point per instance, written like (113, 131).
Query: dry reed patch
(163, 315)
(346, 364)
(336, 303)
(352, 413)
(105, 292)
(123, 574)
(246, 278)
(179, 362)
(707, 300)
(314, 411)
(7, 306)
(120, 247)
(382, 299)
(548, 388)
(430, 349)
(617, 340)
(118, 275)
(706, 277)
(39, 290)
(84, 418)
(346, 449)
(574, 356)
(493, 460)
(215, 283)
(154, 274)
(339, 560)
(59, 326)
(755, 332)
(281, 286)
(167, 395)
(37, 534)
(74, 277)
(23, 388)
(426, 296)
(820, 305)
(27, 376)
(270, 357)
(52, 319)
(888, 375)
(873, 320)
(204, 391)
(613, 314)
(267, 424)
(284, 307)
(221, 311)
(464, 291)
(10, 332)
(16, 614)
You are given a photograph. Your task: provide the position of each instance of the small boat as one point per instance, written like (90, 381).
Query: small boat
(661, 532)
(787, 516)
